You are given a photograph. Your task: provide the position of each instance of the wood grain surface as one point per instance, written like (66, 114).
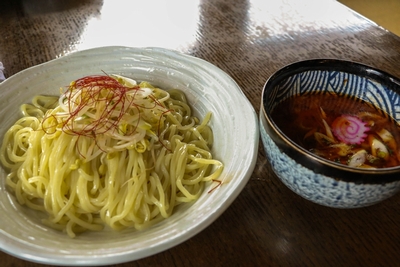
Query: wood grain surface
(267, 225)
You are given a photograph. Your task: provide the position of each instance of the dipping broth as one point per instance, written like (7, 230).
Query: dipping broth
(344, 130)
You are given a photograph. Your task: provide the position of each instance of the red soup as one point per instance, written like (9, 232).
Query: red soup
(340, 129)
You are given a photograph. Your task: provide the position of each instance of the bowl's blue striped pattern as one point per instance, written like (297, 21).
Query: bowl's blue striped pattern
(340, 83)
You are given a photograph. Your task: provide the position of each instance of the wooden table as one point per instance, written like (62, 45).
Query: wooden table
(267, 225)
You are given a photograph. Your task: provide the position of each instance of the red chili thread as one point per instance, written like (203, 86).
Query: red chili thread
(94, 87)
(102, 88)
(215, 187)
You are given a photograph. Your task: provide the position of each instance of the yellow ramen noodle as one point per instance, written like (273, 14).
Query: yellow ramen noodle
(108, 152)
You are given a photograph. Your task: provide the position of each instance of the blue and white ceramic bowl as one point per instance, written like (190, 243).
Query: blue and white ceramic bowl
(312, 177)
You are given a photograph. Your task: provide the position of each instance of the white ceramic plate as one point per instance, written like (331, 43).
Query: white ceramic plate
(236, 135)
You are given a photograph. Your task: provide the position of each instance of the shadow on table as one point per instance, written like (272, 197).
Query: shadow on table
(36, 7)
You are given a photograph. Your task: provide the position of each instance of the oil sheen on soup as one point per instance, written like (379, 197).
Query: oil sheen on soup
(341, 129)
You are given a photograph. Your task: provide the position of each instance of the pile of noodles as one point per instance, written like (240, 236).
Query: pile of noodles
(108, 153)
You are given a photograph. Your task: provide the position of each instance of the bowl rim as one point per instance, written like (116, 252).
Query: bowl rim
(310, 160)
